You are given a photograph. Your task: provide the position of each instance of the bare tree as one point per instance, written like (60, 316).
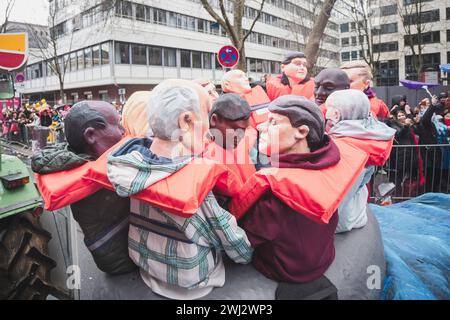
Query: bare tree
(235, 30)
(7, 13)
(50, 51)
(317, 31)
(412, 20)
(366, 21)
(298, 26)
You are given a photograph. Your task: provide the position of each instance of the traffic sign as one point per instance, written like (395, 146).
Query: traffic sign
(20, 77)
(13, 50)
(228, 56)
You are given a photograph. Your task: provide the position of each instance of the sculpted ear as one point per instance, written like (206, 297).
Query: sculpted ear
(213, 120)
(302, 132)
(185, 120)
(89, 136)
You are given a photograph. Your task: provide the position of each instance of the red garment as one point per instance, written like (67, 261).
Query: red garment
(257, 97)
(378, 108)
(276, 89)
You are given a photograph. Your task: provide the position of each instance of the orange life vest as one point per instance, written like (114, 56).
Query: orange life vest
(378, 108)
(305, 90)
(378, 151)
(63, 188)
(257, 97)
(276, 89)
(237, 160)
(181, 193)
(315, 193)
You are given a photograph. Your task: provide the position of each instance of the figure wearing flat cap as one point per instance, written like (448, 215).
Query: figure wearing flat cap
(293, 80)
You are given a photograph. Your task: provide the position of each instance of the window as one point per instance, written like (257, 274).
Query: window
(345, 42)
(96, 56)
(388, 10)
(196, 59)
(387, 73)
(155, 56)
(138, 54)
(425, 17)
(207, 60)
(140, 12)
(448, 35)
(103, 95)
(344, 27)
(201, 25)
(122, 53)
(170, 57)
(387, 28)
(73, 61)
(430, 61)
(87, 58)
(345, 56)
(160, 16)
(448, 13)
(172, 19)
(385, 46)
(214, 27)
(427, 37)
(353, 41)
(80, 56)
(259, 66)
(105, 53)
(185, 58)
(252, 65)
(354, 55)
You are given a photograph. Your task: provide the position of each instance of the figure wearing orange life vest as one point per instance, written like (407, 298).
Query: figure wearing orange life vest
(161, 242)
(361, 77)
(289, 210)
(328, 81)
(349, 119)
(231, 141)
(293, 80)
(91, 127)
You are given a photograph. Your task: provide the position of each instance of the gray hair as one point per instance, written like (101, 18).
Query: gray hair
(165, 105)
(352, 104)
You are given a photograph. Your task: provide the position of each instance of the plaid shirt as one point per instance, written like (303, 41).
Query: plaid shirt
(179, 258)
(175, 252)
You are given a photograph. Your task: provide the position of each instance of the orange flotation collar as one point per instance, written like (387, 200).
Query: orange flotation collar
(182, 193)
(63, 188)
(276, 89)
(257, 97)
(237, 160)
(315, 193)
(378, 150)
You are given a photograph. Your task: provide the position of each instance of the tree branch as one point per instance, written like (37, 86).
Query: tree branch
(258, 15)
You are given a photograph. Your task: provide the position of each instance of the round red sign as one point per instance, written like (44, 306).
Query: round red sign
(228, 56)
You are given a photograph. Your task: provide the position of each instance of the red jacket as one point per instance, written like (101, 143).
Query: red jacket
(378, 108)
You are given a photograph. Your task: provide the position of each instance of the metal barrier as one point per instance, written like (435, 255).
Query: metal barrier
(414, 170)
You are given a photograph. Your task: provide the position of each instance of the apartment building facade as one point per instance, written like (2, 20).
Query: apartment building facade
(391, 47)
(135, 45)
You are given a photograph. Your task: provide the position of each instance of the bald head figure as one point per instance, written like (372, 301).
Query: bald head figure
(328, 81)
(236, 81)
(92, 127)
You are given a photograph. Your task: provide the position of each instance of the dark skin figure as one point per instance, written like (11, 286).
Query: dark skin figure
(328, 81)
(232, 130)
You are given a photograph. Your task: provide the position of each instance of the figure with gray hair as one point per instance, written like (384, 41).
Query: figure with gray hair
(348, 116)
(178, 257)
(91, 128)
(294, 78)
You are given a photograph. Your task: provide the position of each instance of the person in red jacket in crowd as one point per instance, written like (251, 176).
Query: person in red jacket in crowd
(328, 81)
(236, 81)
(361, 77)
(293, 80)
(288, 246)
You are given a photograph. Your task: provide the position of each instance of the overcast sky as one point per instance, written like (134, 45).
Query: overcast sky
(30, 11)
